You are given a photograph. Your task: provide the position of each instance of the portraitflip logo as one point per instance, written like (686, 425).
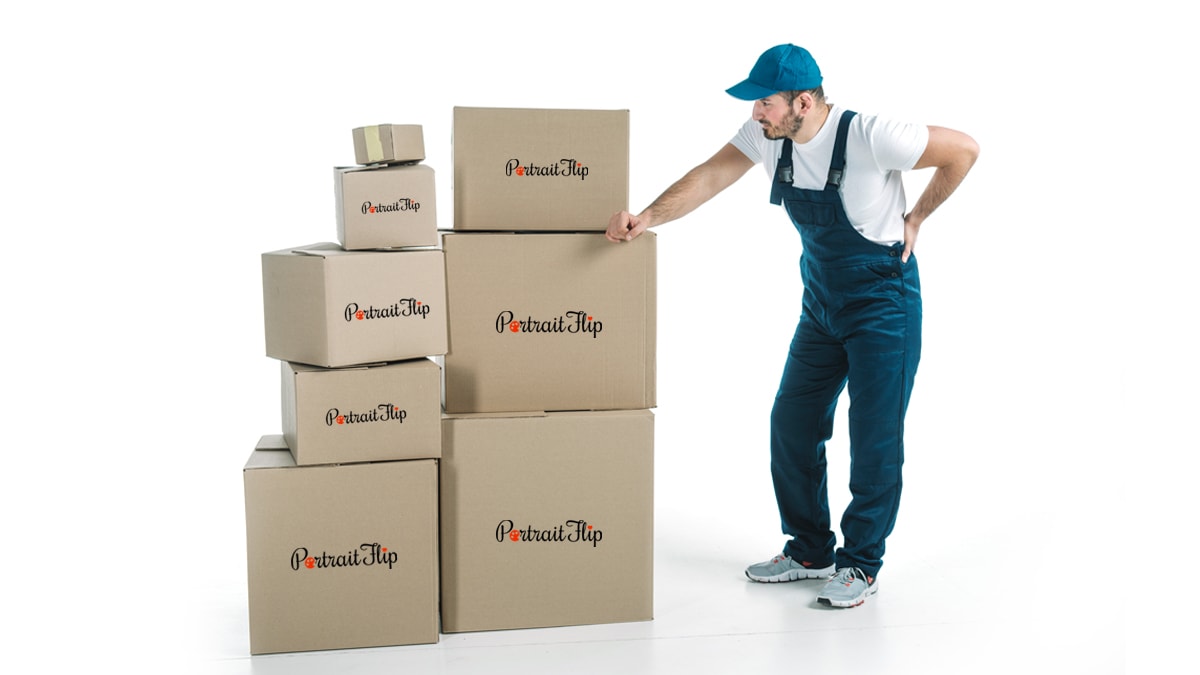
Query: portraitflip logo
(408, 307)
(384, 412)
(577, 322)
(563, 168)
(571, 531)
(366, 555)
(400, 205)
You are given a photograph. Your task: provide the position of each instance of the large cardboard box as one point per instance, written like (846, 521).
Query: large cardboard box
(550, 321)
(340, 556)
(325, 306)
(538, 169)
(385, 206)
(547, 520)
(389, 143)
(374, 413)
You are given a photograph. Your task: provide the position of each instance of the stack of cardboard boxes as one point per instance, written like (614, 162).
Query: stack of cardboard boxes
(547, 455)
(513, 486)
(341, 509)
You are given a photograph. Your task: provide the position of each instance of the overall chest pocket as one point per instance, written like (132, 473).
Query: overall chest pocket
(811, 213)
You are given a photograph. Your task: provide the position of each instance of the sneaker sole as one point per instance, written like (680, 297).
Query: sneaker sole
(845, 604)
(793, 575)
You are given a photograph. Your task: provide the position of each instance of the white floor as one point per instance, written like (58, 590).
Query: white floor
(978, 578)
(943, 612)
(993, 568)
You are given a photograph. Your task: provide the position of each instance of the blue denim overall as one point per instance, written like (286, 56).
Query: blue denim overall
(860, 325)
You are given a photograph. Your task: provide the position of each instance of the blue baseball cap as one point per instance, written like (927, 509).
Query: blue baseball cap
(780, 68)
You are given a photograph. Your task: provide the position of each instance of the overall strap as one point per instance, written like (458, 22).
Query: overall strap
(783, 170)
(783, 174)
(837, 163)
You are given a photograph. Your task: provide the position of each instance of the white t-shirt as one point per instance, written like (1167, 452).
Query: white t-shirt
(877, 151)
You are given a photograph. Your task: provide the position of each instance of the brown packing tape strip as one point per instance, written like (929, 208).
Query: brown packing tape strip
(374, 144)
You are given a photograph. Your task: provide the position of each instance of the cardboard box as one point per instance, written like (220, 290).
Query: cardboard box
(547, 520)
(385, 206)
(389, 143)
(549, 322)
(340, 556)
(536, 169)
(325, 306)
(362, 414)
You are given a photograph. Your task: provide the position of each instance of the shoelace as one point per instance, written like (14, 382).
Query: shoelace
(847, 575)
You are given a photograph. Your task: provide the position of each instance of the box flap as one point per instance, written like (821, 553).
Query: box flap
(321, 250)
(372, 167)
(306, 368)
(602, 413)
(271, 442)
(492, 415)
(270, 459)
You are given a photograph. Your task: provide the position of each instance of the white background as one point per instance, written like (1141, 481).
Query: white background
(152, 151)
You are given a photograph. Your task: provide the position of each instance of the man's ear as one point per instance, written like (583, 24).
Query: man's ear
(803, 103)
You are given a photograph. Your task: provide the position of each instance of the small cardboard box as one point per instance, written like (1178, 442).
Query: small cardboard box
(385, 206)
(547, 520)
(389, 143)
(538, 169)
(325, 306)
(362, 414)
(340, 556)
(551, 321)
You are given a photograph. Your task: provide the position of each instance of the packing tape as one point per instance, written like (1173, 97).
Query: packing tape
(374, 144)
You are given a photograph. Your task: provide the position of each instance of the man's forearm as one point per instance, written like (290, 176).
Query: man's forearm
(697, 186)
(683, 197)
(943, 183)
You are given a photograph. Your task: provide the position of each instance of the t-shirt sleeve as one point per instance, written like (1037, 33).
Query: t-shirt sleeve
(896, 146)
(746, 140)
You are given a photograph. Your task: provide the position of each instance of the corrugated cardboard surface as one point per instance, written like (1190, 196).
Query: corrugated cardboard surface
(385, 206)
(362, 414)
(585, 312)
(539, 169)
(389, 143)
(325, 306)
(577, 488)
(370, 531)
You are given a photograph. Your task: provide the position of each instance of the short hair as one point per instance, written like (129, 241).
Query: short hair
(818, 94)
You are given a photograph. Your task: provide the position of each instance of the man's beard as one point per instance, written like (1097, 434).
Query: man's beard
(788, 126)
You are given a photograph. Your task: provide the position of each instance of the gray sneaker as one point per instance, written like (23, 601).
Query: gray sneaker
(783, 568)
(849, 587)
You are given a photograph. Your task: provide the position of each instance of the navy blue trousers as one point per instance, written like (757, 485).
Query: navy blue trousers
(860, 328)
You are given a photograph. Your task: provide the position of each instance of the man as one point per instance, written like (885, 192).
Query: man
(838, 176)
